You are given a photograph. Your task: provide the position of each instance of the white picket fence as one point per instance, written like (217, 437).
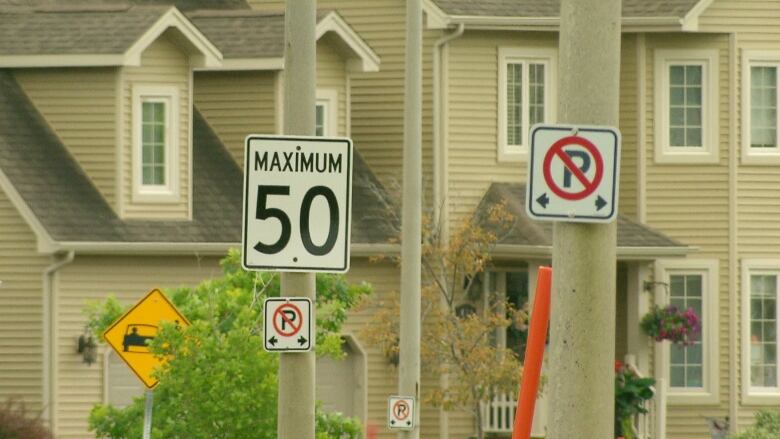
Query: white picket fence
(498, 415)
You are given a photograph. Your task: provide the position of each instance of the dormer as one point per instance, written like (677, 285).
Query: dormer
(115, 84)
(244, 95)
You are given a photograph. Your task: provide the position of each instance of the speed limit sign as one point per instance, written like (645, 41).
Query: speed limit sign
(297, 203)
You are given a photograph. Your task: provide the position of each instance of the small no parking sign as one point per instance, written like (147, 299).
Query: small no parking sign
(400, 413)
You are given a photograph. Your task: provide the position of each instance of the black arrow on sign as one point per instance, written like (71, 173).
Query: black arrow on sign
(600, 203)
(273, 340)
(301, 340)
(543, 200)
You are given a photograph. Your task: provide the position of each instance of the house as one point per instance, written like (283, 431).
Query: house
(699, 124)
(121, 135)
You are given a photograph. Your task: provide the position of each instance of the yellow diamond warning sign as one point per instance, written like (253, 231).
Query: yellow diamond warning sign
(130, 333)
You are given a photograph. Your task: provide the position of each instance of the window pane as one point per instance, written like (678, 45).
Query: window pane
(763, 329)
(319, 120)
(514, 105)
(763, 107)
(685, 106)
(517, 295)
(153, 143)
(687, 291)
(536, 90)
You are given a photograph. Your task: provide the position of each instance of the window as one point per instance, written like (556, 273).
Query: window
(155, 143)
(760, 332)
(691, 371)
(686, 364)
(686, 106)
(511, 286)
(760, 105)
(525, 89)
(326, 113)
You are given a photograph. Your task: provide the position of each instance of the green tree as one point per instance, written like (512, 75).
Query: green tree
(767, 426)
(218, 381)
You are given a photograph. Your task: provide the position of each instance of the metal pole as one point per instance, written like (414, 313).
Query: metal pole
(411, 252)
(296, 370)
(148, 414)
(583, 309)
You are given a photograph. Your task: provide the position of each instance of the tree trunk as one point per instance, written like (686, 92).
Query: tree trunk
(480, 433)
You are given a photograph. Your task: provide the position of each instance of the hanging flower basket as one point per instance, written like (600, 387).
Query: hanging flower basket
(670, 323)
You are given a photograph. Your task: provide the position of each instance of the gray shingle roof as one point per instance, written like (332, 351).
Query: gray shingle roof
(104, 32)
(71, 209)
(528, 232)
(243, 34)
(551, 8)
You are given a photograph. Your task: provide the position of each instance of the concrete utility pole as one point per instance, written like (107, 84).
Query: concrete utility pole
(296, 370)
(411, 252)
(583, 304)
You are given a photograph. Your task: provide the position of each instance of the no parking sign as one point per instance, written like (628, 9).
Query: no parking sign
(573, 173)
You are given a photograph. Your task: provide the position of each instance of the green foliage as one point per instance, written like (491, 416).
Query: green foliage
(16, 423)
(767, 426)
(631, 393)
(220, 358)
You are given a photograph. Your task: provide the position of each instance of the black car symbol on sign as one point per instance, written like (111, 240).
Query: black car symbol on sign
(136, 335)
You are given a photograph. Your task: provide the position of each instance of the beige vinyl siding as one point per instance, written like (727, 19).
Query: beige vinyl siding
(80, 106)
(332, 75)
(91, 278)
(757, 27)
(162, 63)
(628, 124)
(377, 97)
(236, 104)
(21, 310)
(689, 202)
(473, 115)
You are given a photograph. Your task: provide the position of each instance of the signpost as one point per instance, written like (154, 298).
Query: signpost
(297, 203)
(287, 324)
(129, 336)
(400, 411)
(573, 173)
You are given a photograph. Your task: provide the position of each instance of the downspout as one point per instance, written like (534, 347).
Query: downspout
(439, 130)
(733, 157)
(440, 170)
(49, 335)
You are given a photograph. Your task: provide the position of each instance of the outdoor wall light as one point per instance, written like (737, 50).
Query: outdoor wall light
(87, 348)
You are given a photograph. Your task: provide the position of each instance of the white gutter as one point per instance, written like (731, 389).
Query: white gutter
(623, 253)
(49, 337)
(205, 249)
(440, 181)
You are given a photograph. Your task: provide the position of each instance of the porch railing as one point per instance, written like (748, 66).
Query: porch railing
(498, 414)
(651, 425)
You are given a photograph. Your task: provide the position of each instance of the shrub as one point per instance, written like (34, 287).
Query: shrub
(16, 423)
(767, 426)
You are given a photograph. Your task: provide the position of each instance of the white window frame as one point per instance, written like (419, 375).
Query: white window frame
(750, 155)
(709, 151)
(708, 268)
(510, 55)
(169, 192)
(329, 98)
(755, 395)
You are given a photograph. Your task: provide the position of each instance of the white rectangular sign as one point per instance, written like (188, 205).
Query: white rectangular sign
(297, 204)
(287, 324)
(573, 173)
(400, 414)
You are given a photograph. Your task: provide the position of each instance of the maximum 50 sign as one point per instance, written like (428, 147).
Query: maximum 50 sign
(297, 203)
